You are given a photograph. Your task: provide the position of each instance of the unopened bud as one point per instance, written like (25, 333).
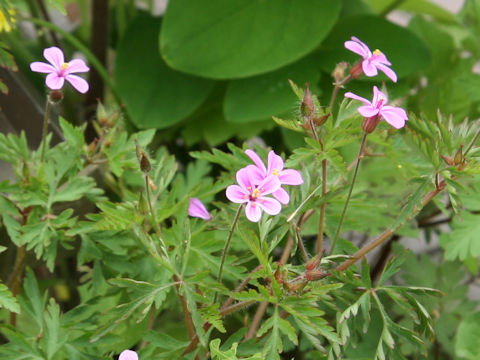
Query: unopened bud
(314, 275)
(339, 71)
(369, 124)
(142, 158)
(142, 205)
(55, 96)
(319, 121)
(102, 114)
(448, 160)
(313, 262)
(458, 159)
(307, 107)
(356, 71)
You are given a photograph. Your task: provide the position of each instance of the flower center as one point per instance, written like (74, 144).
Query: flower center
(380, 102)
(255, 194)
(64, 66)
(275, 172)
(377, 52)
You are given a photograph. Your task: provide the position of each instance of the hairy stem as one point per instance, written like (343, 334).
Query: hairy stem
(186, 313)
(389, 232)
(46, 119)
(342, 216)
(323, 207)
(335, 91)
(225, 249)
(252, 330)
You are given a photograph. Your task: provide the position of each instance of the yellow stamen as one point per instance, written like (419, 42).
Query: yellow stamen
(377, 52)
(64, 66)
(256, 193)
(275, 172)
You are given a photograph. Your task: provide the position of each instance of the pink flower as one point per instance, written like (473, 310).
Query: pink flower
(247, 191)
(197, 209)
(275, 167)
(378, 109)
(58, 70)
(128, 355)
(372, 62)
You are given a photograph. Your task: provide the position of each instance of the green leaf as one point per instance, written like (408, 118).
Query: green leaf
(143, 79)
(239, 38)
(59, 5)
(395, 43)
(7, 300)
(393, 266)
(463, 242)
(74, 189)
(54, 337)
(466, 343)
(262, 96)
(414, 203)
(230, 354)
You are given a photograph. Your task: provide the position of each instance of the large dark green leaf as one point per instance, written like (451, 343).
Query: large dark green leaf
(407, 53)
(262, 96)
(238, 38)
(155, 95)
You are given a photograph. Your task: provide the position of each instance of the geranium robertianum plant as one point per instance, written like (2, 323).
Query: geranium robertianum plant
(163, 276)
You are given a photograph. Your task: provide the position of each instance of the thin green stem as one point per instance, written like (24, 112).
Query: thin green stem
(323, 207)
(46, 119)
(335, 91)
(155, 224)
(342, 216)
(227, 245)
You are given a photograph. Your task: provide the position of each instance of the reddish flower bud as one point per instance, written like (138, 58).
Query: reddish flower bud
(55, 96)
(356, 71)
(307, 107)
(314, 275)
(339, 71)
(369, 124)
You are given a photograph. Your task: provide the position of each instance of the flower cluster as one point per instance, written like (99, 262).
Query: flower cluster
(257, 181)
(377, 109)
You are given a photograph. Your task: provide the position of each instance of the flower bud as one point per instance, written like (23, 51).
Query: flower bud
(142, 157)
(313, 262)
(55, 96)
(142, 205)
(307, 107)
(320, 120)
(458, 159)
(102, 114)
(356, 71)
(369, 124)
(314, 275)
(339, 71)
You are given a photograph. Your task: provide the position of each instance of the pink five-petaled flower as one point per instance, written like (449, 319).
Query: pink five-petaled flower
(197, 209)
(377, 109)
(274, 167)
(58, 70)
(247, 191)
(128, 355)
(372, 62)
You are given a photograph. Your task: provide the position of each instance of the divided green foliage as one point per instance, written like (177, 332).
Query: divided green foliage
(462, 242)
(7, 300)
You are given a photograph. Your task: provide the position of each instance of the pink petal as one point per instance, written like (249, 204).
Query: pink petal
(367, 111)
(42, 67)
(256, 174)
(256, 159)
(245, 178)
(54, 81)
(80, 84)
(387, 71)
(197, 209)
(253, 211)
(128, 355)
(269, 185)
(55, 56)
(358, 47)
(356, 97)
(282, 196)
(76, 66)
(269, 205)
(369, 69)
(394, 116)
(275, 162)
(290, 177)
(236, 194)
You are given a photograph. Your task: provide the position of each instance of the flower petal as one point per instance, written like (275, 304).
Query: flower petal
(253, 211)
(395, 116)
(369, 69)
(358, 47)
(256, 175)
(42, 67)
(387, 71)
(77, 66)
(275, 163)
(269, 185)
(367, 111)
(290, 177)
(128, 355)
(269, 205)
(197, 209)
(80, 84)
(55, 56)
(256, 159)
(356, 97)
(245, 178)
(54, 81)
(236, 194)
(282, 196)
